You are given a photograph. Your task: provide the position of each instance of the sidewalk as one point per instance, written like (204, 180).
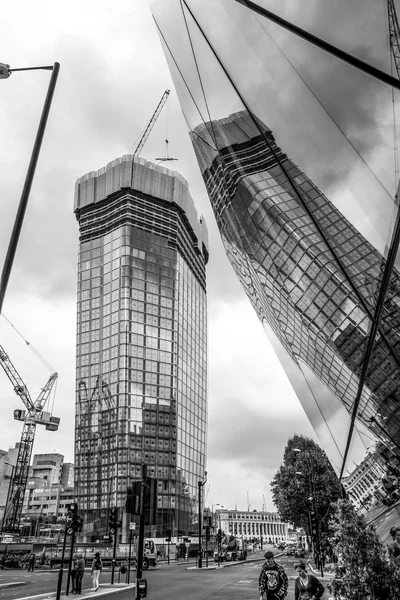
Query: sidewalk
(105, 590)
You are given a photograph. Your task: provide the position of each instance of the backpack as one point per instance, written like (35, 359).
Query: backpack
(98, 564)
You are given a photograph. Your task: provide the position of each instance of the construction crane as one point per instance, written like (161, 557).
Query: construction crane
(151, 123)
(394, 35)
(32, 416)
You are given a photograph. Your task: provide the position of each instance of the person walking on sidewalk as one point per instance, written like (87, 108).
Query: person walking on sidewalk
(80, 570)
(273, 581)
(73, 574)
(306, 586)
(97, 566)
(31, 563)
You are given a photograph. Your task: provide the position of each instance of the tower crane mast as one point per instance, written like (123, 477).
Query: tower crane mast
(151, 123)
(394, 35)
(32, 416)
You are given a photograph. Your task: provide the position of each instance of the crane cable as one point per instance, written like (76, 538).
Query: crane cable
(31, 347)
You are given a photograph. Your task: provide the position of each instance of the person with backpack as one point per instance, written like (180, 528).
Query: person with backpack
(97, 566)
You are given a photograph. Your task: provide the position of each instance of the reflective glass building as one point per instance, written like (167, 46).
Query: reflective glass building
(305, 218)
(141, 345)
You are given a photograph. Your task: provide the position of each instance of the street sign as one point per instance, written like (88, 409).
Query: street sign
(132, 525)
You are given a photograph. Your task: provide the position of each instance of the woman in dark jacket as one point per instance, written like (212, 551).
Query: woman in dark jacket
(306, 587)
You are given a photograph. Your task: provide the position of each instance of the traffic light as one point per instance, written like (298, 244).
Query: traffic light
(132, 503)
(207, 533)
(219, 535)
(150, 500)
(313, 523)
(169, 534)
(74, 521)
(113, 520)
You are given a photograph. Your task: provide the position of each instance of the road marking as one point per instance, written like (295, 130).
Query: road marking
(246, 581)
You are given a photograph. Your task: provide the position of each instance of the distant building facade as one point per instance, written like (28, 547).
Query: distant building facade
(365, 482)
(141, 375)
(251, 524)
(49, 489)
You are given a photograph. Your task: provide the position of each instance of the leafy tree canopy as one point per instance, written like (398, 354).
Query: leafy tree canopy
(305, 473)
(364, 569)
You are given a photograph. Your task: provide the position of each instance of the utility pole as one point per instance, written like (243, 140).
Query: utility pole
(141, 584)
(200, 485)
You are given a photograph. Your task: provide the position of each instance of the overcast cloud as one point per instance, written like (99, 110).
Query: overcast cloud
(113, 73)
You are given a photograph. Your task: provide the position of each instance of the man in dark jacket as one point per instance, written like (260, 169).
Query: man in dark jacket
(273, 580)
(80, 570)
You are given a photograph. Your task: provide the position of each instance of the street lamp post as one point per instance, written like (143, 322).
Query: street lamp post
(314, 510)
(200, 485)
(218, 530)
(5, 72)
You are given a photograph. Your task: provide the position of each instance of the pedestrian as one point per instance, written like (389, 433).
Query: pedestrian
(73, 574)
(394, 546)
(80, 570)
(31, 562)
(97, 566)
(306, 586)
(158, 555)
(273, 581)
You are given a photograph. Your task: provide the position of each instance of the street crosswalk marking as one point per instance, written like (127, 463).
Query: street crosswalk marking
(246, 581)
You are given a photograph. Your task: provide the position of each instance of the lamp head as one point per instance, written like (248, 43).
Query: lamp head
(4, 71)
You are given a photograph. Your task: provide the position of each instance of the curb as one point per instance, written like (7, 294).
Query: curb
(4, 586)
(106, 592)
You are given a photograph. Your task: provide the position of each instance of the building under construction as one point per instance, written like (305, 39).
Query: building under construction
(141, 378)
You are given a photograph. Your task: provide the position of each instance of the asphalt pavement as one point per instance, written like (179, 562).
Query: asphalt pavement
(123, 590)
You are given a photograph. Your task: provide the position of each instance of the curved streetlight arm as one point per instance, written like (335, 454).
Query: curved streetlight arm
(48, 68)
(19, 219)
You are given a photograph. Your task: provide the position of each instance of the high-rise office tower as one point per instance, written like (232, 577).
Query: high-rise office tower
(141, 344)
(304, 213)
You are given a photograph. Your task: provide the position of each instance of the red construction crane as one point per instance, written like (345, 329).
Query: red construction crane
(32, 416)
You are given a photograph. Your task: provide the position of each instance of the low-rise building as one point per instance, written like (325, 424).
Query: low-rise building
(251, 524)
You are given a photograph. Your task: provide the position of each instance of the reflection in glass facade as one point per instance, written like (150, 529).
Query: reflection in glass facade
(310, 261)
(141, 344)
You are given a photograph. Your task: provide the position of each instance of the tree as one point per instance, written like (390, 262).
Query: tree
(364, 569)
(304, 481)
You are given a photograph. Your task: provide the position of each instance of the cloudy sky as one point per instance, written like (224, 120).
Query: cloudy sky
(113, 73)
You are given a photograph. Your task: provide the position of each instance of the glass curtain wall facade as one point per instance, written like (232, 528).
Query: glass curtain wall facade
(308, 243)
(141, 345)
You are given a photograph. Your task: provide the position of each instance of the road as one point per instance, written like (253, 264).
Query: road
(237, 582)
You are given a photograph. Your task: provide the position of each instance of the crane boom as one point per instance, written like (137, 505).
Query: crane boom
(394, 34)
(151, 123)
(32, 416)
(19, 386)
